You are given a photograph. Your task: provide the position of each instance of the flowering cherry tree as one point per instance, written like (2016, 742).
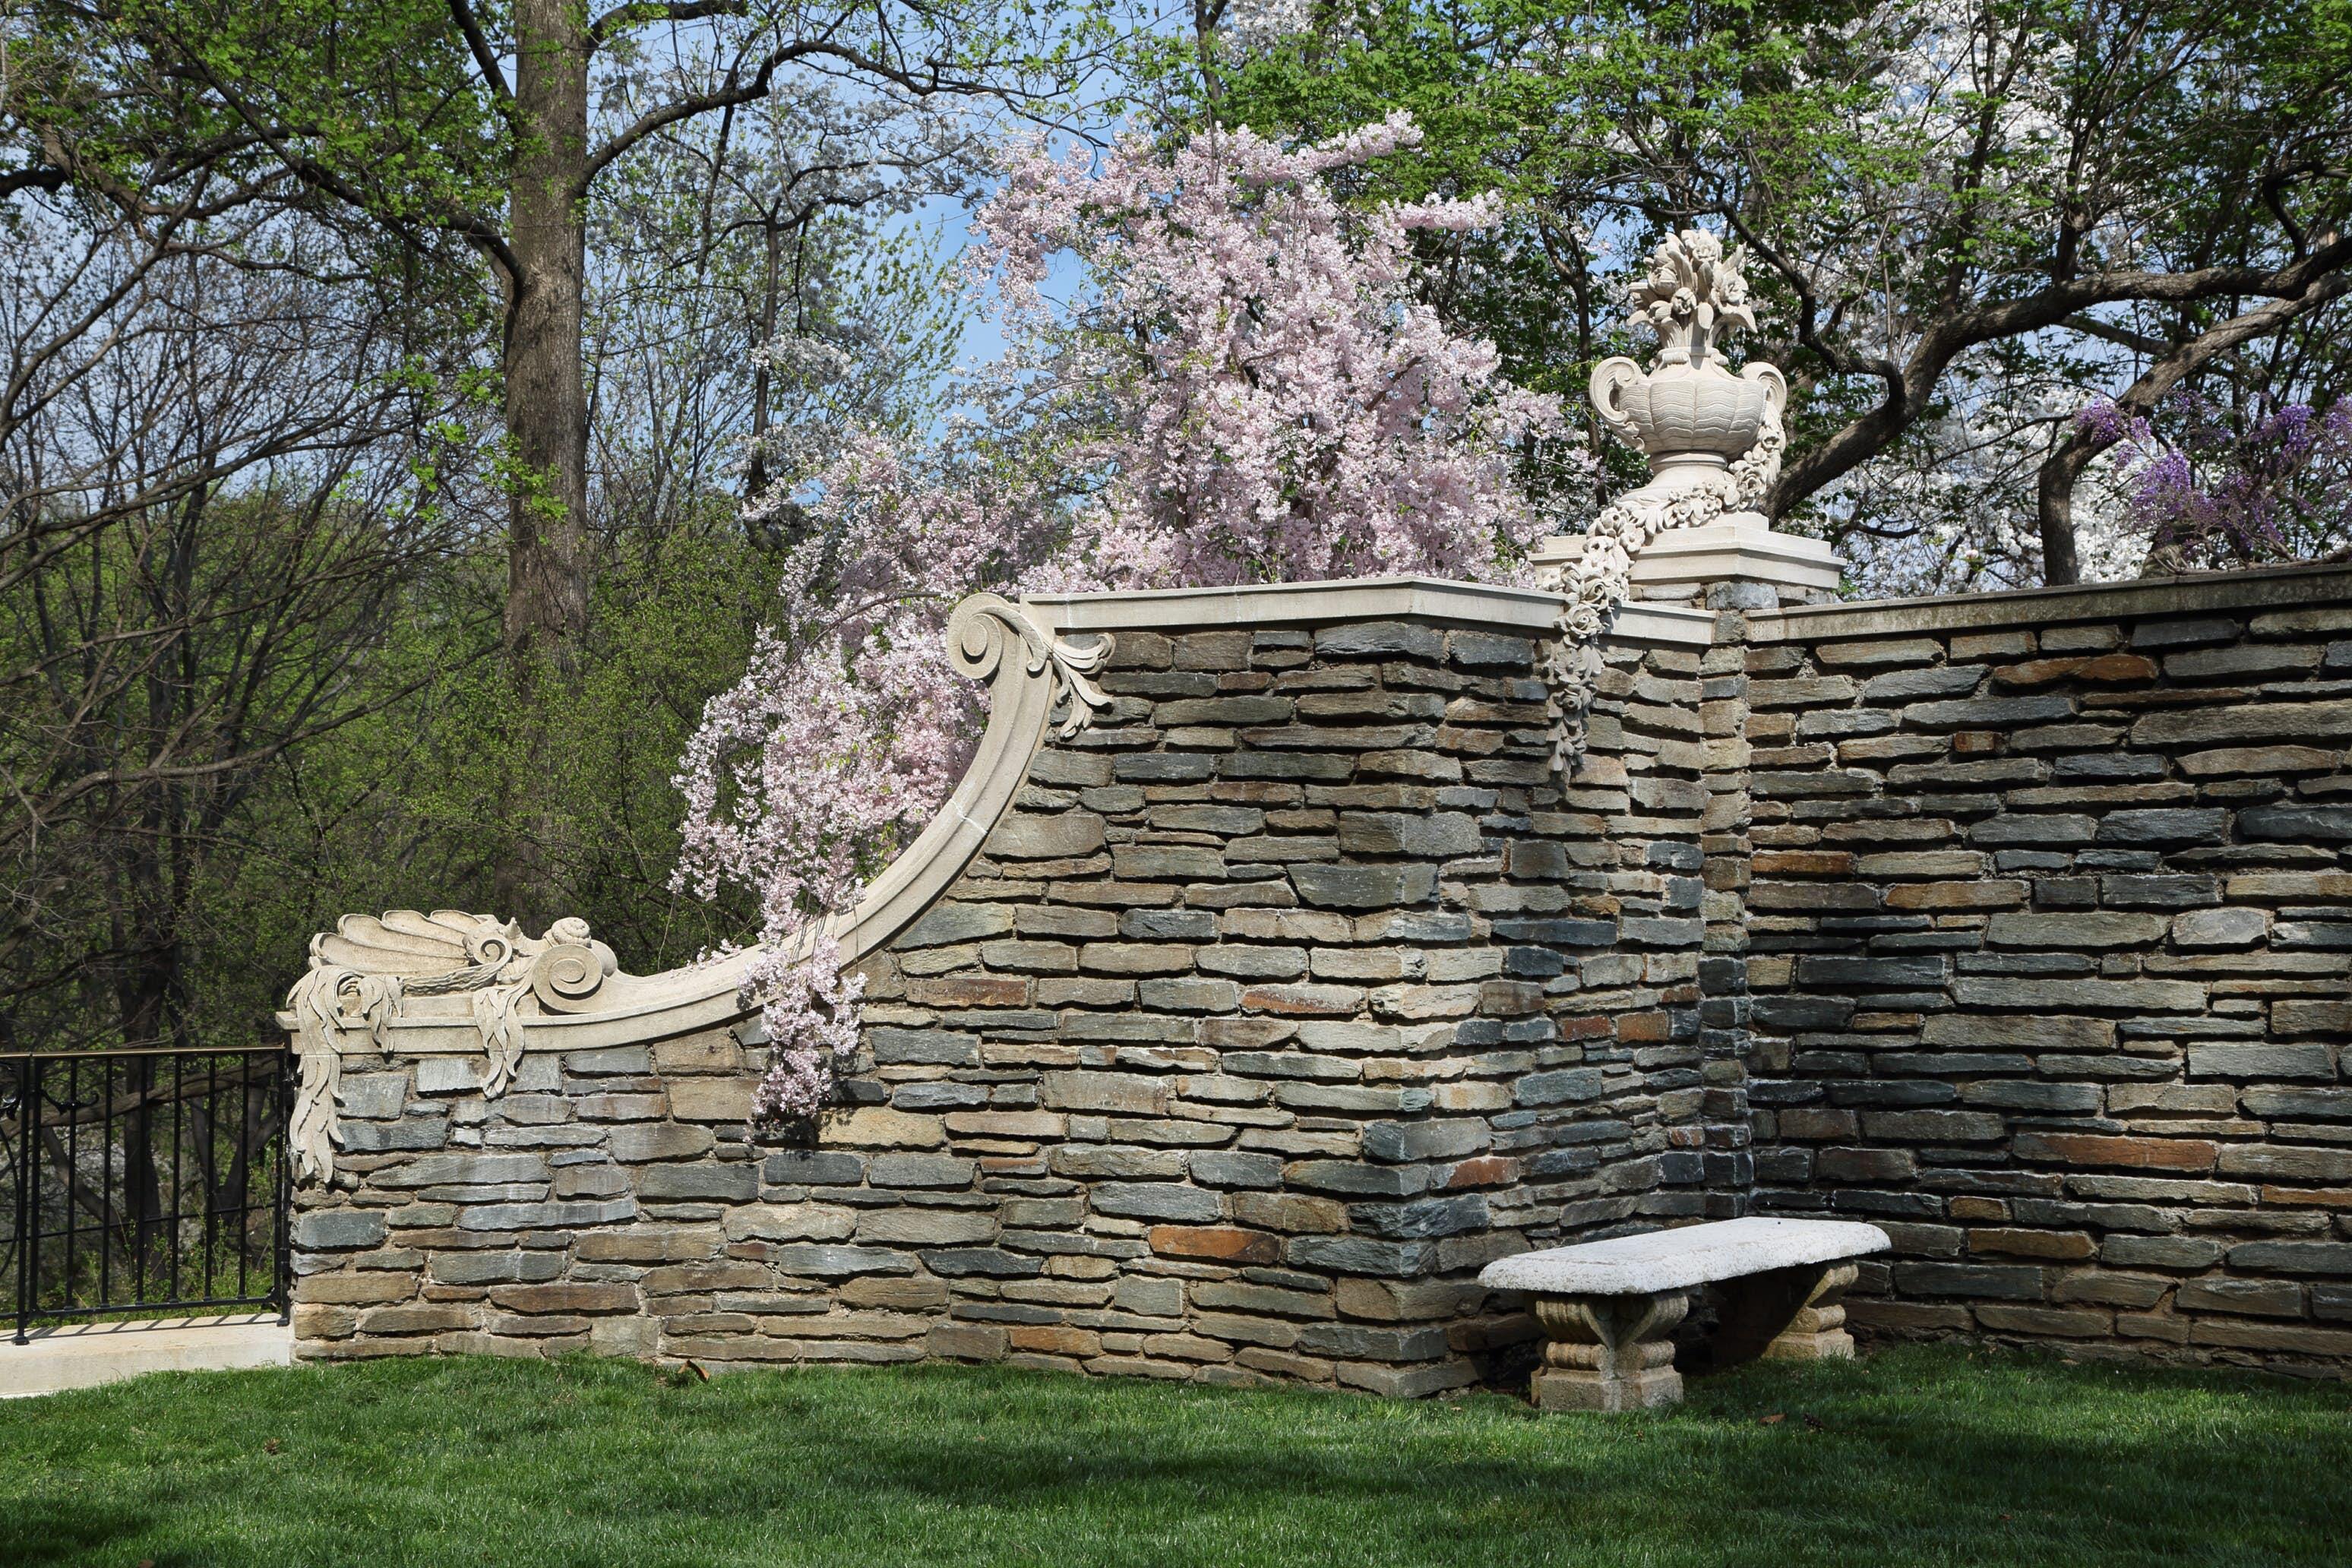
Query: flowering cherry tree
(1247, 389)
(1250, 372)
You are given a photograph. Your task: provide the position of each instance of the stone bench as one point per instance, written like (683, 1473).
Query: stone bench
(1606, 1307)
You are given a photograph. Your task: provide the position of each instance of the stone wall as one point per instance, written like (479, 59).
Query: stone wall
(1282, 1000)
(2051, 917)
(1295, 989)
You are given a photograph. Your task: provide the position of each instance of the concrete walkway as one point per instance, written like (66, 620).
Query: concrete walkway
(82, 1355)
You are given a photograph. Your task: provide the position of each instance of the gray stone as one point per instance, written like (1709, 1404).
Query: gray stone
(635, 1144)
(2029, 830)
(922, 1048)
(384, 1137)
(1060, 836)
(2296, 823)
(949, 923)
(2223, 928)
(376, 1096)
(813, 1168)
(926, 1228)
(704, 1182)
(1394, 639)
(2171, 826)
(1156, 1200)
(2269, 1060)
(1399, 1142)
(921, 1171)
(448, 1075)
(462, 1169)
(2329, 1258)
(1217, 1168)
(1904, 685)
(550, 1215)
(1988, 712)
(1364, 887)
(336, 1230)
(837, 1262)
(2087, 927)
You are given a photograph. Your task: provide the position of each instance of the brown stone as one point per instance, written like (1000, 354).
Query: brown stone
(564, 1297)
(970, 991)
(2064, 1245)
(1218, 1243)
(2094, 1148)
(880, 1127)
(1056, 1339)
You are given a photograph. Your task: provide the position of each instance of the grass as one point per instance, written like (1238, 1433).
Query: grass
(1912, 1455)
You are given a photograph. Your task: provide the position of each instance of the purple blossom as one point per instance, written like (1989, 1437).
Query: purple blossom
(2276, 485)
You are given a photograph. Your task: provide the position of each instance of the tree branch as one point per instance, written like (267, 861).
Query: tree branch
(485, 57)
(1944, 340)
(737, 90)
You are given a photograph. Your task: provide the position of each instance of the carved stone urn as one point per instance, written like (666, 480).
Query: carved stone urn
(1697, 530)
(1689, 413)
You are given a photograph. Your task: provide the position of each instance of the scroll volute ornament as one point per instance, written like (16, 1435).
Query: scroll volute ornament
(446, 966)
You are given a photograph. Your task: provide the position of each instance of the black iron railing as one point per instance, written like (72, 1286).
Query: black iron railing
(144, 1182)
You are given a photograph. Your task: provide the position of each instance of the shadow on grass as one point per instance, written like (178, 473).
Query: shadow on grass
(1917, 1456)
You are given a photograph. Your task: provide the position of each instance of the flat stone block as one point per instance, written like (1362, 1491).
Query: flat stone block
(1557, 1389)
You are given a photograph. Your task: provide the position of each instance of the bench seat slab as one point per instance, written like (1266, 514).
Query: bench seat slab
(1680, 1258)
(1607, 1306)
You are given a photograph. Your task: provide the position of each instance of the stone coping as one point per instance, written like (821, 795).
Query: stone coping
(1680, 1258)
(2268, 588)
(1437, 601)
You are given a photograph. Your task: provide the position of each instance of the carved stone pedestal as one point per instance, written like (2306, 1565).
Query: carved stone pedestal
(1609, 1352)
(1787, 1314)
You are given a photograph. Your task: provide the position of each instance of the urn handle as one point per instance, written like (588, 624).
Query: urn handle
(1613, 378)
(1774, 385)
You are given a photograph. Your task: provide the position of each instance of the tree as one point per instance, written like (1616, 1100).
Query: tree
(445, 124)
(1970, 217)
(215, 480)
(1245, 389)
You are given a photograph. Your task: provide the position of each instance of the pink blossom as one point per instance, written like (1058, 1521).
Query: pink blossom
(1249, 390)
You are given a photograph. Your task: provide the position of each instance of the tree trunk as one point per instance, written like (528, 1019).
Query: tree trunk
(548, 566)
(2055, 506)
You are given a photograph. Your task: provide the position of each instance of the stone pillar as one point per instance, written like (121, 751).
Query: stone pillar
(1692, 538)
(1609, 1352)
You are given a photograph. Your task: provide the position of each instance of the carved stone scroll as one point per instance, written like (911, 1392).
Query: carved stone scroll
(370, 971)
(446, 979)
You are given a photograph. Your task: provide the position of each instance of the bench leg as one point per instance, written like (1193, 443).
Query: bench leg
(1609, 1352)
(1789, 1314)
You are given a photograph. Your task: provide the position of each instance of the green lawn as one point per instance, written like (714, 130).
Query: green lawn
(1910, 1455)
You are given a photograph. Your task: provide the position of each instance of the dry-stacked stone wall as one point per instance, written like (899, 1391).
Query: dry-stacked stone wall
(1283, 998)
(2051, 914)
(1297, 988)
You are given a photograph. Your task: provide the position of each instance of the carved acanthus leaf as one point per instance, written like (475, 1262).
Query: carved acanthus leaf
(983, 627)
(364, 974)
